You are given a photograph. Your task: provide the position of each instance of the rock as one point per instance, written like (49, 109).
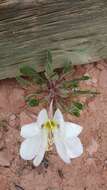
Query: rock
(103, 79)
(3, 183)
(2, 144)
(32, 181)
(3, 98)
(12, 120)
(25, 118)
(11, 98)
(4, 160)
(16, 100)
(92, 148)
(92, 106)
(100, 65)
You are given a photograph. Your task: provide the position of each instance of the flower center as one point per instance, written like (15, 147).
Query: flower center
(50, 125)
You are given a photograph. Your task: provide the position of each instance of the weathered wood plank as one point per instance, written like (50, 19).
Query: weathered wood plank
(76, 30)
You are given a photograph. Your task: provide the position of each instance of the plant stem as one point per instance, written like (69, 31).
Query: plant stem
(50, 111)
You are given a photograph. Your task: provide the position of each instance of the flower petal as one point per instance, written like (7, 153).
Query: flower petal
(29, 130)
(58, 117)
(29, 147)
(72, 129)
(42, 117)
(42, 148)
(60, 146)
(74, 147)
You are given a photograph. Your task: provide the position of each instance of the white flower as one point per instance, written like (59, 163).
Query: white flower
(64, 134)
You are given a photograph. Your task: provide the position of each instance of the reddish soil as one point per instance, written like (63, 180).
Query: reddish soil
(88, 172)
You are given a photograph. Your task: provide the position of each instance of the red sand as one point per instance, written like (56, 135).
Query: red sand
(89, 172)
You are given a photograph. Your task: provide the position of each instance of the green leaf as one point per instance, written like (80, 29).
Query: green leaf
(85, 77)
(38, 80)
(28, 71)
(33, 74)
(49, 67)
(49, 56)
(70, 84)
(63, 93)
(90, 92)
(33, 102)
(76, 108)
(22, 81)
(74, 111)
(74, 84)
(49, 70)
(79, 105)
(67, 66)
(55, 76)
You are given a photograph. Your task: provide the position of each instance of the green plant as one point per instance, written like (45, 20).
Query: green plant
(54, 85)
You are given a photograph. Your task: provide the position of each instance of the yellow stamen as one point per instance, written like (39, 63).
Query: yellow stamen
(50, 125)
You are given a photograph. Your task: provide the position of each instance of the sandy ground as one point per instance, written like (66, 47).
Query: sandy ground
(88, 172)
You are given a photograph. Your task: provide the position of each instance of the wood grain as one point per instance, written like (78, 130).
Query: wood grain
(74, 30)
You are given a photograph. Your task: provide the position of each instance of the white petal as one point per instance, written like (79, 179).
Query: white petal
(58, 117)
(29, 148)
(60, 146)
(72, 129)
(74, 147)
(30, 130)
(42, 148)
(42, 117)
